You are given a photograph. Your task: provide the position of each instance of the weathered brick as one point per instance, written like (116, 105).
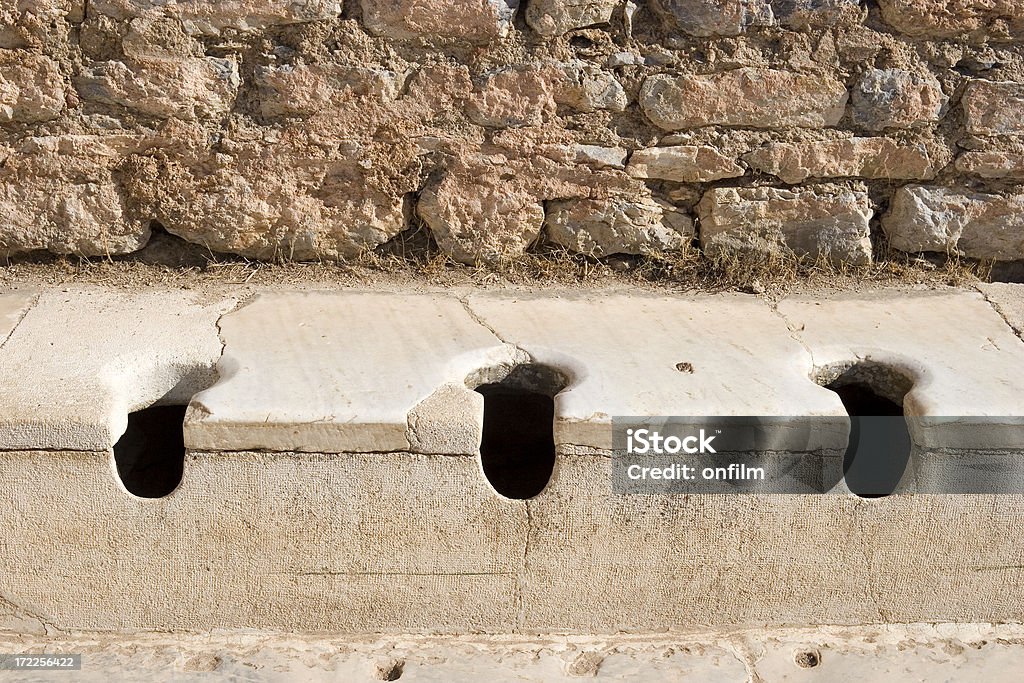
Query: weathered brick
(683, 164)
(557, 17)
(601, 227)
(854, 157)
(716, 17)
(946, 220)
(897, 98)
(954, 18)
(994, 108)
(756, 98)
(189, 89)
(31, 88)
(475, 21)
(818, 220)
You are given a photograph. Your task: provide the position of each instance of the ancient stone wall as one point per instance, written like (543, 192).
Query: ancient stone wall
(317, 129)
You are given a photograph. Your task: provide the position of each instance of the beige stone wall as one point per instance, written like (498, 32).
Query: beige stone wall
(322, 129)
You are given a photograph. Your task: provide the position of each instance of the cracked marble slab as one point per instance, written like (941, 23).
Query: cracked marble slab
(82, 358)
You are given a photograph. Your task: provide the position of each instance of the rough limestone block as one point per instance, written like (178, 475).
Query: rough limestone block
(29, 24)
(270, 197)
(307, 372)
(974, 19)
(757, 98)
(965, 364)
(756, 370)
(683, 164)
(474, 21)
(307, 89)
(61, 194)
(880, 158)
(517, 96)
(126, 352)
(716, 17)
(189, 89)
(817, 220)
(994, 108)
(998, 165)
(818, 14)
(557, 17)
(587, 88)
(478, 214)
(347, 543)
(597, 156)
(31, 87)
(601, 227)
(940, 219)
(210, 17)
(897, 98)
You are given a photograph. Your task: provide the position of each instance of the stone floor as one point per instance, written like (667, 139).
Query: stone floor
(880, 654)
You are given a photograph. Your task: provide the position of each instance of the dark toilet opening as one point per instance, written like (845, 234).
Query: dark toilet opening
(879, 447)
(150, 457)
(518, 445)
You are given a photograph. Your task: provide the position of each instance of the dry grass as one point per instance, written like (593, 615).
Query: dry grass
(414, 262)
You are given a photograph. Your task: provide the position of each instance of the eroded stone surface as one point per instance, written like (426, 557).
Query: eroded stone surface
(993, 108)
(308, 89)
(857, 157)
(897, 98)
(683, 163)
(601, 227)
(998, 165)
(31, 88)
(940, 219)
(999, 19)
(716, 18)
(61, 194)
(212, 16)
(821, 220)
(743, 97)
(477, 216)
(477, 21)
(556, 17)
(811, 14)
(186, 89)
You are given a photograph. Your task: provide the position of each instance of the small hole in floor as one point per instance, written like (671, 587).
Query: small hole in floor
(807, 659)
(150, 456)
(391, 671)
(517, 449)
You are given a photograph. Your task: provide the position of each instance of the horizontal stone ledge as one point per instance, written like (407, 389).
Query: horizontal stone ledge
(380, 372)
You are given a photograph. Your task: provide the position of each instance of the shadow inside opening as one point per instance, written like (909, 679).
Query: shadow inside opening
(879, 447)
(518, 445)
(150, 456)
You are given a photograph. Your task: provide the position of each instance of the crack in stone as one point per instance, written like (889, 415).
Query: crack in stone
(21, 318)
